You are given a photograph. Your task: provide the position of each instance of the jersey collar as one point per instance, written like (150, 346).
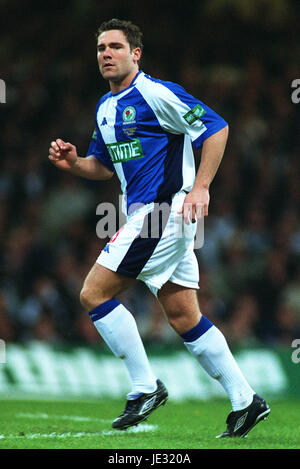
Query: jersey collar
(130, 86)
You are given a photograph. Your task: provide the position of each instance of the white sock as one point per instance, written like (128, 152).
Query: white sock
(212, 352)
(119, 331)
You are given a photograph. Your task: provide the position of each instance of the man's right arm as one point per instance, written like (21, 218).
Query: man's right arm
(64, 156)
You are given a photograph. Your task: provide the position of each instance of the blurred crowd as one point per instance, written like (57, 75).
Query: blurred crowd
(240, 63)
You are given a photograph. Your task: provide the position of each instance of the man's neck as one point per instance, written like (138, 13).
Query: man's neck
(116, 87)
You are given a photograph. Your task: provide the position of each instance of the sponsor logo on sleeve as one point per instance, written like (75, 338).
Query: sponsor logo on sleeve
(194, 114)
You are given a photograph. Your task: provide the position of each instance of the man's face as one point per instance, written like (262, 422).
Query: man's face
(116, 60)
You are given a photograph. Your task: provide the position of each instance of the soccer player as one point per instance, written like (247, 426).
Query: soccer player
(145, 133)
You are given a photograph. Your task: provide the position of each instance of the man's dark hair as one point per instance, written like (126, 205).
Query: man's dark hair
(132, 32)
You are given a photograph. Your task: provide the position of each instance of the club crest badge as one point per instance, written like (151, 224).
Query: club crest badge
(128, 115)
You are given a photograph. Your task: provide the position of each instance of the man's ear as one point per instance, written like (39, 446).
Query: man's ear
(136, 54)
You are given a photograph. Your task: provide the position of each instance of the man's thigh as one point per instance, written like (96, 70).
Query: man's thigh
(102, 284)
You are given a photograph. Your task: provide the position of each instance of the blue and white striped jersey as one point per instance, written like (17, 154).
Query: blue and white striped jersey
(146, 134)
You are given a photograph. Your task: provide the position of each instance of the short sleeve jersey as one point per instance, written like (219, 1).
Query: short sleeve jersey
(146, 134)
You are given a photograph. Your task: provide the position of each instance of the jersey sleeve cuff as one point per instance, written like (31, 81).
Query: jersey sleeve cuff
(198, 142)
(106, 163)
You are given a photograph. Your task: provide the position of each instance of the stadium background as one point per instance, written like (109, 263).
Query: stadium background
(240, 58)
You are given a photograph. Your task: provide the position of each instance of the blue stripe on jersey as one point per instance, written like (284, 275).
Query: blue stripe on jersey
(157, 175)
(172, 181)
(144, 244)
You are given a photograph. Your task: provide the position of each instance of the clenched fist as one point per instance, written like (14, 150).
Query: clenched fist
(63, 154)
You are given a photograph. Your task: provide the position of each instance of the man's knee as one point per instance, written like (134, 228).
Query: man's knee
(101, 285)
(94, 294)
(183, 321)
(89, 298)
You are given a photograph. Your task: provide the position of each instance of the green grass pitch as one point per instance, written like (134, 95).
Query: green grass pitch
(41, 424)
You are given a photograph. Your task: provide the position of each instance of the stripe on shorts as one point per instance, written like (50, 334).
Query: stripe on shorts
(145, 243)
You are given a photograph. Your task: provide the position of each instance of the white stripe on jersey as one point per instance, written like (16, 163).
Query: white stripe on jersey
(169, 111)
(108, 111)
(168, 108)
(188, 165)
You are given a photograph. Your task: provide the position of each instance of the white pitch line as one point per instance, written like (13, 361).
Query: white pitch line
(75, 418)
(140, 429)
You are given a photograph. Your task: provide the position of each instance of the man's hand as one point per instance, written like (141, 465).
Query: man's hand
(63, 154)
(196, 202)
(195, 205)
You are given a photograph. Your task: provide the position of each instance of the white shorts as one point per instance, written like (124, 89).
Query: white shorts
(155, 246)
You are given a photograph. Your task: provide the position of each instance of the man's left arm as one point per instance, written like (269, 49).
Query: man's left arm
(196, 201)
